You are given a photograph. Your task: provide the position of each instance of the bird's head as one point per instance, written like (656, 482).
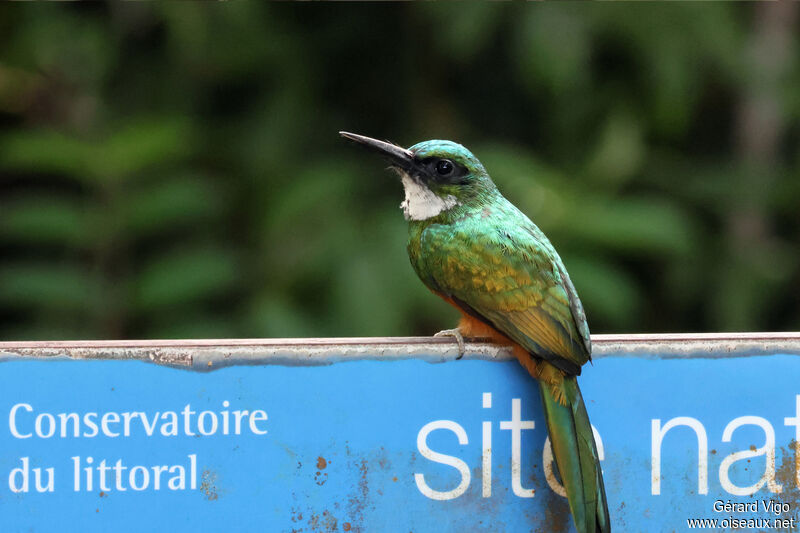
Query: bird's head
(438, 176)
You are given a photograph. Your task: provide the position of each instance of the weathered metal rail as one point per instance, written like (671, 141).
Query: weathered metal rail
(207, 354)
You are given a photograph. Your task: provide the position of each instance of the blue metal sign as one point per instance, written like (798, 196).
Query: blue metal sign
(396, 445)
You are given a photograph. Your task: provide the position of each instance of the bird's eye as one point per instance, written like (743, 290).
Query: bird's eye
(444, 167)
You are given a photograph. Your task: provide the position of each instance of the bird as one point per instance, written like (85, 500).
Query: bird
(472, 247)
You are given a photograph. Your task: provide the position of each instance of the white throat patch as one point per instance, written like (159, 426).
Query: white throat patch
(421, 203)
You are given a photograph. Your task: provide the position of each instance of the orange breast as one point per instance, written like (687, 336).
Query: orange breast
(470, 326)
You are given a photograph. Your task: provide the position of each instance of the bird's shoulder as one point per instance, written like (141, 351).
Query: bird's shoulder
(495, 242)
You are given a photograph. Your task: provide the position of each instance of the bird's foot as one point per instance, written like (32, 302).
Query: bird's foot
(455, 332)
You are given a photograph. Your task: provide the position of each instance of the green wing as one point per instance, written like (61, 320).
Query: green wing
(511, 277)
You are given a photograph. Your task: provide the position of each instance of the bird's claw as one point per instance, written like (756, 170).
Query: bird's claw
(455, 332)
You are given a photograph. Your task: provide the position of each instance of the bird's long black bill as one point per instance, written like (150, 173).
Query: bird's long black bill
(397, 155)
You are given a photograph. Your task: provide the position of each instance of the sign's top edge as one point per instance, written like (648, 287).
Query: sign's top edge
(206, 354)
(597, 340)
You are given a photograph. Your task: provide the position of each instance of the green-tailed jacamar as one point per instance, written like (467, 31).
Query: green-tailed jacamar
(475, 249)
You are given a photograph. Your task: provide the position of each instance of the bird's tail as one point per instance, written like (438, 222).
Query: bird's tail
(576, 454)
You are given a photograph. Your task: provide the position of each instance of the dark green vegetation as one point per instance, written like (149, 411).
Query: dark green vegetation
(175, 170)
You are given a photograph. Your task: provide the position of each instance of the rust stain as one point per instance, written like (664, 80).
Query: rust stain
(347, 514)
(786, 476)
(208, 485)
(358, 502)
(297, 515)
(383, 460)
(324, 522)
(102, 494)
(321, 477)
(330, 521)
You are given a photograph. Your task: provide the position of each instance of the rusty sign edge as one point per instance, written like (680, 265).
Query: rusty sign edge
(210, 354)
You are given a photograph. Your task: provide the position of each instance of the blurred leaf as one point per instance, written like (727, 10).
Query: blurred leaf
(47, 286)
(620, 149)
(272, 316)
(142, 144)
(185, 276)
(362, 290)
(170, 203)
(133, 148)
(45, 220)
(46, 151)
(555, 46)
(637, 226)
(311, 221)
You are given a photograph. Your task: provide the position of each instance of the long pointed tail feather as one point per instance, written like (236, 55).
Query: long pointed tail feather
(576, 455)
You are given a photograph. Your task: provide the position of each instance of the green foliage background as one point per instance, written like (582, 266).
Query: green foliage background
(174, 169)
